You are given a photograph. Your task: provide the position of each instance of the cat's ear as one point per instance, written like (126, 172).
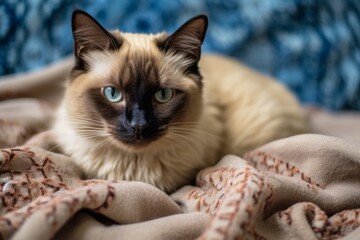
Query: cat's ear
(90, 35)
(188, 38)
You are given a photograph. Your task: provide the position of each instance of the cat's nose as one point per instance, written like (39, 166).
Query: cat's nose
(137, 120)
(138, 128)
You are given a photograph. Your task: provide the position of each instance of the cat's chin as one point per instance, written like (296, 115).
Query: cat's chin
(135, 145)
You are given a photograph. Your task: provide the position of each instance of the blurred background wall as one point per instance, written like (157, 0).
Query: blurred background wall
(312, 46)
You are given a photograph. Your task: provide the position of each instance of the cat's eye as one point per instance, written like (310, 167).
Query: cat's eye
(164, 95)
(112, 94)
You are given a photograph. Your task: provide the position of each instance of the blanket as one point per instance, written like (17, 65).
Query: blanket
(302, 187)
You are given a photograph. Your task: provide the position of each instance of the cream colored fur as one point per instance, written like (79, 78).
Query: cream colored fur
(240, 110)
(254, 109)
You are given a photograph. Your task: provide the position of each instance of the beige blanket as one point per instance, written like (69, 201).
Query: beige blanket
(303, 187)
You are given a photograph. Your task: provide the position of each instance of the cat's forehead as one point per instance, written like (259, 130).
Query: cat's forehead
(139, 58)
(137, 41)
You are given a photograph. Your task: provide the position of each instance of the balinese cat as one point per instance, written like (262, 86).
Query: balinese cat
(147, 108)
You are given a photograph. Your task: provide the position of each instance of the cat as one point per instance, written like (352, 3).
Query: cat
(149, 107)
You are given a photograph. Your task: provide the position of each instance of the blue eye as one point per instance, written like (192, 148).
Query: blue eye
(112, 94)
(164, 95)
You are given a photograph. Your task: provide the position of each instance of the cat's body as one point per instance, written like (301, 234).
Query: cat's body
(219, 108)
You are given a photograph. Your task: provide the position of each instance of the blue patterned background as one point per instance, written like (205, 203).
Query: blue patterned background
(313, 46)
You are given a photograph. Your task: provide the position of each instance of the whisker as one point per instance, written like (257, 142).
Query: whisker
(56, 146)
(87, 119)
(194, 131)
(176, 139)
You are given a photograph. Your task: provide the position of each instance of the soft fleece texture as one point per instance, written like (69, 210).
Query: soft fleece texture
(302, 187)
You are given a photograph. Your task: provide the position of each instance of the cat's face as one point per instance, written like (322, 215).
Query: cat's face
(134, 89)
